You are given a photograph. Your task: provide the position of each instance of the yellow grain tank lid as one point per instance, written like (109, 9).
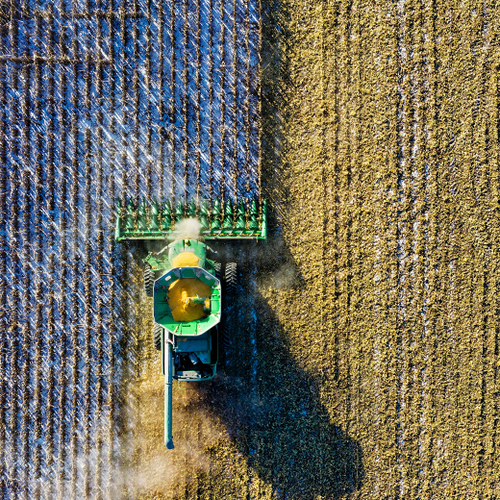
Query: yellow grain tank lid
(185, 259)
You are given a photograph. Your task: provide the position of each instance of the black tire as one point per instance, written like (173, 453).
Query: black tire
(231, 276)
(149, 280)
(228, 301)
(218, 270)
(157, 331)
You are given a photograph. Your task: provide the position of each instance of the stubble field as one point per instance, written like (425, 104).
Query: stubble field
(366, 364)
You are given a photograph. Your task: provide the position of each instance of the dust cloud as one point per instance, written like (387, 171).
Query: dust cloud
(186, 229)
(150, 468)
(162, 471)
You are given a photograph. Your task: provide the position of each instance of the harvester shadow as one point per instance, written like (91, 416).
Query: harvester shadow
(271, 407)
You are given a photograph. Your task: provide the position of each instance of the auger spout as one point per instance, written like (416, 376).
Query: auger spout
(167, 348)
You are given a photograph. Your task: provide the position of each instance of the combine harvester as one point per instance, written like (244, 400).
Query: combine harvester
(186, 286)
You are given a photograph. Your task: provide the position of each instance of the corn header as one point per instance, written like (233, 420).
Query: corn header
(157, 221)
(193, 294)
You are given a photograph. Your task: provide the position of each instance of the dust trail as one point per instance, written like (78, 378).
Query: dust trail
(277, 269)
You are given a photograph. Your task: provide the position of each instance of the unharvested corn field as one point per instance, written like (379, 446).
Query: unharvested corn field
(366, 363)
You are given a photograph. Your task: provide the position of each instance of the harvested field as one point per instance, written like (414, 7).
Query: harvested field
(366, 364)
(388, 196)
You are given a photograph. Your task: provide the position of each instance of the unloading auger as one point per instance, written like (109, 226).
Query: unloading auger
(191, 293)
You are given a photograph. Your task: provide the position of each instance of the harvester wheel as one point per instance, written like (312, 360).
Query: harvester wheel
(231, 277)
(218, 270)
(157, 331)
(231, 281)
(149, 280)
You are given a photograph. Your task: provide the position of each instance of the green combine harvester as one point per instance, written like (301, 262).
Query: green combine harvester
(187, 286)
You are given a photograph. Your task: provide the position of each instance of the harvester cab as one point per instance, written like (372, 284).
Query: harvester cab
(191, 293)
